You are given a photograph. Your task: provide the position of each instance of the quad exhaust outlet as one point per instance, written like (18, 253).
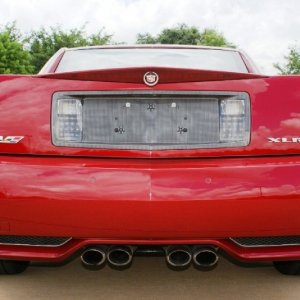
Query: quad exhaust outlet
(177, 257)
(93, 258)
(205, 258)
(120, 257)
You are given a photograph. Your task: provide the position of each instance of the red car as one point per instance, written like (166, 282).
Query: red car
(184, 151)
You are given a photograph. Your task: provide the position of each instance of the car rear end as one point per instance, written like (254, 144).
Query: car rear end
(101, 164)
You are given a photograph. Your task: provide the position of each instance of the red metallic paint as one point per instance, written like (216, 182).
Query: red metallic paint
(104, 196)
(162, 201)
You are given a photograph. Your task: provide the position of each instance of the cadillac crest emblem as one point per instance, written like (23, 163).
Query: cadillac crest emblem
(151, 78)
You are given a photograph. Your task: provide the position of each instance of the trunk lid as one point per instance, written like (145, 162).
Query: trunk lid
(26, 109)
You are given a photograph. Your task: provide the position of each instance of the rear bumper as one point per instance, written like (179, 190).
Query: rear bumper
(77, 246)
(127, 201)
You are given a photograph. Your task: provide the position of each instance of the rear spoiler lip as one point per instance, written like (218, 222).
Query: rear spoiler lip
(136, 75)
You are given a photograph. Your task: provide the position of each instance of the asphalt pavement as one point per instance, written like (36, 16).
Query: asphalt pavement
(149, 278)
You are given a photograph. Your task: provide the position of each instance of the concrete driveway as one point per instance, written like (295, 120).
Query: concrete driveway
(149, 278)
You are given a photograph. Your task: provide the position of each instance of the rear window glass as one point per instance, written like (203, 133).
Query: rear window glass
(205, 59)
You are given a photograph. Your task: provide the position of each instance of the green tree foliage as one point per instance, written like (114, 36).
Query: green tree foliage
(13, 57)
(211, 37)
(185, 35)
(292, 65)
(146, 38)
(43, 44)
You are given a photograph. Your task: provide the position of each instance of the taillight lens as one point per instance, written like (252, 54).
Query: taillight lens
(234, 121)
(69, 120)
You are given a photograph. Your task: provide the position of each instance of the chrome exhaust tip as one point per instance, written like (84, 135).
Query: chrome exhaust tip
(205, 259)
(93, 258)
(178, 258)
(120, 257)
